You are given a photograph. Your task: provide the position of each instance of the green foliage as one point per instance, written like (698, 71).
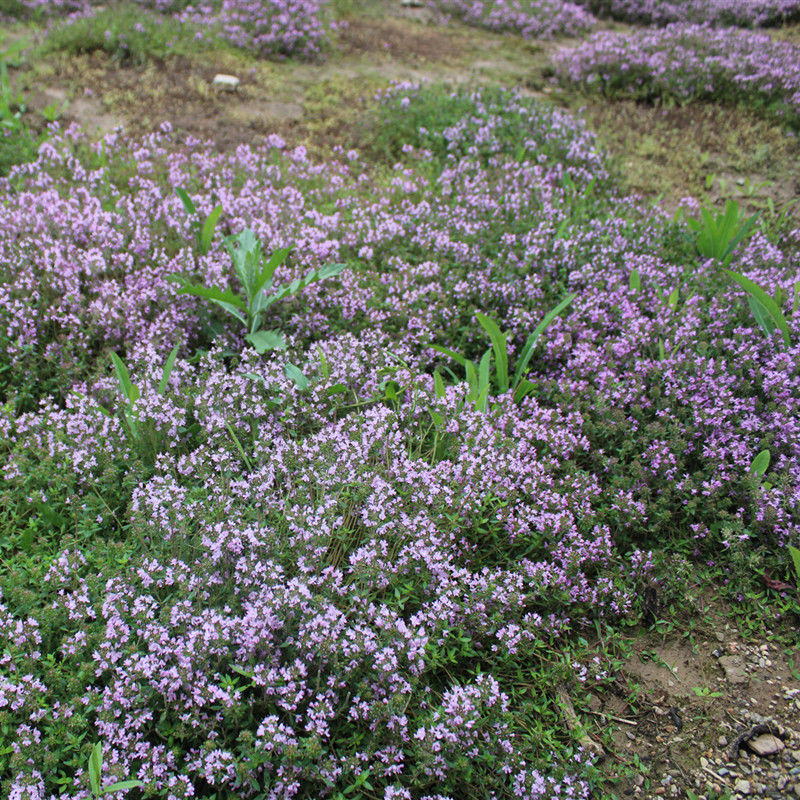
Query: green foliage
(95, 769)
(256, 277)
(760, 465)
(142, 438)
(765, 309)
(128, 33)
(203, 228)
(478, 377)
(718, 235)
(795, 555)
(18, 143)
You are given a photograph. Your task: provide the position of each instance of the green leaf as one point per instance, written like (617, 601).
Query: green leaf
(329, 270)
(795, 554)
(208, 229)
(167, 371)
(265, 277)
(483, 373)
(121, 786)
(130, 391)
(767, 312)
(207, 292)
(459, 359)
(245, 252)
(438, 384)
(295, 374)
(263, 341)
(499, 345)
(96, 768)
(530, 344)
(760, 464)
(672, 300)
(523, 390)
(188, 205)
(634, 281)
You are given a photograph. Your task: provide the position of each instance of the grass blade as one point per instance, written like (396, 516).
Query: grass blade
(168, 365)
(208, 229)
(130, 391)
(499, 345)
(527, 350)
(186, 201)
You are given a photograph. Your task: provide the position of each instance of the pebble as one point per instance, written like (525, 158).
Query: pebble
(733, 666)
(228, 83)
(765, 745)
(742, 787)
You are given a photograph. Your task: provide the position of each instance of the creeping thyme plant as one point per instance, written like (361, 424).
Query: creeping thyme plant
(357, 584)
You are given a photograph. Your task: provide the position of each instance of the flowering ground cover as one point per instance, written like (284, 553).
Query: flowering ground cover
(278, 29)
(528, 18)
(689, 62)
(354, 574)
(747, 13)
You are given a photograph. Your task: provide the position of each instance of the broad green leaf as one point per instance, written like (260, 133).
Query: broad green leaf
(763, 318)
(130, 391)
(472, 380)
(482, 403)
(121, 786)
(167, 371)
(500, 347)
(323, 362)
(232, 310)
(186, 201)
(438, 384)
(263, 341)
(295, 374)
(459, 359)
(760, 464)
(207, 292)
(96, 767)
(530, 344)
(245, 252)
(437, 418)
(672, 300)
(483, 372)
(795, 554)
(329, 270)
(525, 388)
(662, 353)
(634, 281)
(208, 229)
(265, 277)
(771, 314)
(796, 302)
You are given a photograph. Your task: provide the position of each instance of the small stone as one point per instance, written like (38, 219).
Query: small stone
(765, 745)
(796, 755)
(722, 741)
(703, 762)
(733, 666)
(228, 83)
(742, 787)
